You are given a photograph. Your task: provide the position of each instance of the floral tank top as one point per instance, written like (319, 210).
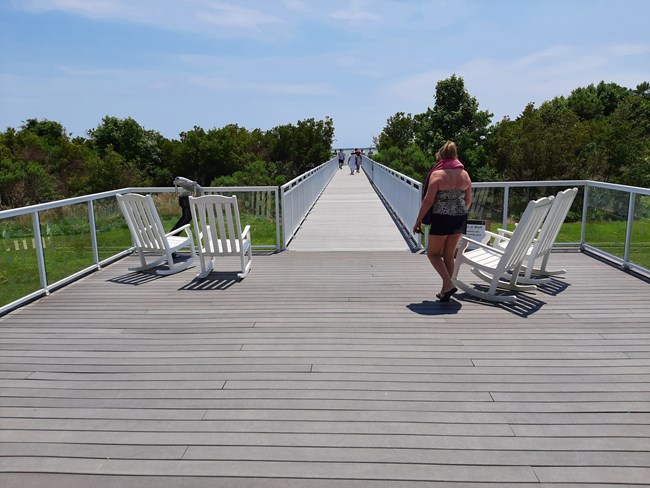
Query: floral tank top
(449, 202)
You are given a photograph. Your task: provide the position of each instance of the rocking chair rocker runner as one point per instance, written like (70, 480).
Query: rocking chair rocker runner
(493, 265)
(218, 232)
(148, 234)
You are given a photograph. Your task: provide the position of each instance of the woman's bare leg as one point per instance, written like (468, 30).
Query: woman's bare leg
(448, 255)
(435, 253)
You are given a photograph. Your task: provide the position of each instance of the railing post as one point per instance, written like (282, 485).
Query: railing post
(277, 220)
(506, 195)
(628, 231)
(284, 219)
(93, 232)
(585, 207)
(40, 256)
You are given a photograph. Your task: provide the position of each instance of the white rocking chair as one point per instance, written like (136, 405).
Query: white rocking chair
(493, 264)
(148, 234)
(218, 232)
(543, 243)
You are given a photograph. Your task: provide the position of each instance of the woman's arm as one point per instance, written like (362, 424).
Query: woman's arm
(427, 202)
(468, 196)
(468, 191)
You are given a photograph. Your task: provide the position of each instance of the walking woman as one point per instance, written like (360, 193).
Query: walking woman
(447, 197)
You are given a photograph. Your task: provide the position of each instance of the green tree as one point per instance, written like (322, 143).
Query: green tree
(398, 132)
(130, 140)
(301, 147)
(205, 155)
(111, 171)
(628, 142)
(585, 103)
(611, 95)
(455, 116)
(541, 144)
(255, 173)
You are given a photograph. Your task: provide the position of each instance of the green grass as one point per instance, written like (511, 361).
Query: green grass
(610, 237)
(68, 249)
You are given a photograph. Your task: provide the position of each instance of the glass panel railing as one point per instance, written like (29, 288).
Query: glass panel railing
(257, 208)
(65, 232)
(19, 274)
(168, 209)
(607, 220)
(571, 230)
(640, 237)
(113, 235)
(487, 205)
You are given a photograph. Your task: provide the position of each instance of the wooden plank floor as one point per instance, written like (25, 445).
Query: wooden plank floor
(348, 216)
(324, 370)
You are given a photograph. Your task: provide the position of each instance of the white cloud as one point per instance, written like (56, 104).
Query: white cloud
(223, 84)
(629, 49)
(225, 15)
(215, 18)
(506, 86)
(357, 12)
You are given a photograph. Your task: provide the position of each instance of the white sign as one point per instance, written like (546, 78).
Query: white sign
(475, 230)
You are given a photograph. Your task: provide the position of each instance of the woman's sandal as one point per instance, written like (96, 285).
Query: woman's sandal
(444, 297)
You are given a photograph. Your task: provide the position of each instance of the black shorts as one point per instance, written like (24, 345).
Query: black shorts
(444, 225)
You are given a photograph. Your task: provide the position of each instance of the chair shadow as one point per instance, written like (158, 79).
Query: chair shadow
(525, 305)
(431, 308)
(214, 281)
(136, 278)
(553, 287)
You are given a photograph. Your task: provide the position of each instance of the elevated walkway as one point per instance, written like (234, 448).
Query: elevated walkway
(349, 216)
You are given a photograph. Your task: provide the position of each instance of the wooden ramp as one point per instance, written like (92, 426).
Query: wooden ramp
(327, 369)
(348, 216)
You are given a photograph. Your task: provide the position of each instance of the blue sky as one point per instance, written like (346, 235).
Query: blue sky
(174, 64)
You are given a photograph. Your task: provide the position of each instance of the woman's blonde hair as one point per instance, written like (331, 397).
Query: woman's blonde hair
(448, 150)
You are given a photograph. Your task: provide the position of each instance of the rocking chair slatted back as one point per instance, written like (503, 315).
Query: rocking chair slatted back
(218, 231)
(148, 234)
(525, 232)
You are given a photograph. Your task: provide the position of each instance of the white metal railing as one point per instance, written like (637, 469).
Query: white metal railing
(300, 194)
(400, 192)
(37, 240)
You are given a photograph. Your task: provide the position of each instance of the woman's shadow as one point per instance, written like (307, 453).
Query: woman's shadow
(430, 307)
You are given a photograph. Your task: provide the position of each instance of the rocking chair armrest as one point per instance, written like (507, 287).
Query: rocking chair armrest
(180, 229)
(481, 245)
(246, 231)
(491, 235)
(504, 232)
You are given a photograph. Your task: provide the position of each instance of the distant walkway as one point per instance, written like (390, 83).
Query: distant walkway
(348, 216)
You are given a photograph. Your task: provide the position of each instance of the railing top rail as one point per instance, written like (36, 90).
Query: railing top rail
(305, 175)
(15, 212)
(397, 173)
(240, 188)
(597, 184)
(514, 184)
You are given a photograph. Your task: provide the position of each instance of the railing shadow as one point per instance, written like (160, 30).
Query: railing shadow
(431, 308)
(136, 278)
(214, 281)
(404, 232)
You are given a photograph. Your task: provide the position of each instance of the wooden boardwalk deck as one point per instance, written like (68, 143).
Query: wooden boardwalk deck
(348, 216)
(327, 369)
